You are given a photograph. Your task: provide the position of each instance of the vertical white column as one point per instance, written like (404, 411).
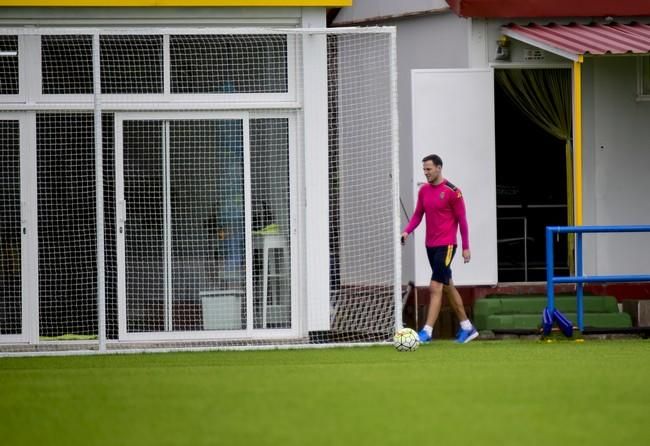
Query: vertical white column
(167, 226)
(99, 197)
(29, 227)
(395, 173)
(315, 146)
(29, 49)
(248, 218)
(120, 217)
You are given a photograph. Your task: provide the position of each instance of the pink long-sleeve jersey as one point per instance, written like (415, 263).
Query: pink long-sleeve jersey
(444, 207)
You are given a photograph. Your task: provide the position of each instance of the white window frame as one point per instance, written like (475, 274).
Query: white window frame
(28, 229)
(22, 64)
(295, 216)
(31, 80)
(249, 332)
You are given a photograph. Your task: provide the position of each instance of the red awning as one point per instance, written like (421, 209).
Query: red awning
(573, 40)
(549, 8)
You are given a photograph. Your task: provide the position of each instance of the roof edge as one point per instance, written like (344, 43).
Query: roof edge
(575, 40)
(539, 44)
(384, 18)
(549, 8)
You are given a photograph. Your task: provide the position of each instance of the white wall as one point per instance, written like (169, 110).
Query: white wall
(616, 176)
(432, 41)
(425, 41)
(364, 10)
(617, 165)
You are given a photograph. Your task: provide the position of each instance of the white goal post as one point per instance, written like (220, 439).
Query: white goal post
(197, 188)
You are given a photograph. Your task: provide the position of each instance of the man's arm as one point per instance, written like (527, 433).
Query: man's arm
(458, 207)
(416, 218)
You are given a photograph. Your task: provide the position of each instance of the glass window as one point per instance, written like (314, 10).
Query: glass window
(228, 64)
(67, 64)
(8, 65)
(132, 64)
(10, 243)
(269, 168)
(66, 223)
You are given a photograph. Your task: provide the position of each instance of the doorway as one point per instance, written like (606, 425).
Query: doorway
(531, 192)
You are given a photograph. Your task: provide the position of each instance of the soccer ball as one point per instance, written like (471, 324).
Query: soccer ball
(406, 340)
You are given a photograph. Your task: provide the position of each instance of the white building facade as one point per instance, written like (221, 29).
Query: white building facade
(186, 174)
(514, 175)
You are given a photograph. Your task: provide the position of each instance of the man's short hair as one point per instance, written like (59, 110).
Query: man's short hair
(437, 161)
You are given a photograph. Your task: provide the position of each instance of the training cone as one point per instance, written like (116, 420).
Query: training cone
(566, 327)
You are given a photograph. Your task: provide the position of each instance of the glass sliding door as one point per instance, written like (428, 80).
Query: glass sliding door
(144, 230)
(203, 224)
(207, 224)
(67, 230)
(11, 301)
(182, 250)
(271, 217)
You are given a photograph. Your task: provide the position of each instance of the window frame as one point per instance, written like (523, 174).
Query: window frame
(31, 83)
(294, 148)
(20, 96)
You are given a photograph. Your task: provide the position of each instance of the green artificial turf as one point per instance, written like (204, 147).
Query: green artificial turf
(483, 393)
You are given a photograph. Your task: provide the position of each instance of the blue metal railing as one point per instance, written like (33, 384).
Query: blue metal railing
(579, 279)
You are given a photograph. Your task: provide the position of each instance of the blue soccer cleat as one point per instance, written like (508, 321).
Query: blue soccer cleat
(423, 336)
(464, 336)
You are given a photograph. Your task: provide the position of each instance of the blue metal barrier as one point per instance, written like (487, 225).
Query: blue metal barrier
(579, 279)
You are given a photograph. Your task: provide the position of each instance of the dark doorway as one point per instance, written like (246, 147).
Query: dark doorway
(531, 194)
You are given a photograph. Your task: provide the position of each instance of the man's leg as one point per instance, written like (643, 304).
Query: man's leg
(439, 259)
(435, 301)
(455, 301)
(467, 331)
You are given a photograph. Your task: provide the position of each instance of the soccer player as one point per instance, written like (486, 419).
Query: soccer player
(443, 204)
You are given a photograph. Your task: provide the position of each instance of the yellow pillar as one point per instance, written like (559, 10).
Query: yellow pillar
(577, 137)
(574, 188)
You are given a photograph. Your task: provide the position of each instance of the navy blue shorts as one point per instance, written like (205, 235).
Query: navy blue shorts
(440, 258)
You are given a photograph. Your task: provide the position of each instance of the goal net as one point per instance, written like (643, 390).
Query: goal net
(189, 151)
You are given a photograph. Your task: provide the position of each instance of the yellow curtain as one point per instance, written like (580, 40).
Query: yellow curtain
(544, 96)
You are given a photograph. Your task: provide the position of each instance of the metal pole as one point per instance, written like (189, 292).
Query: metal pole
(395, 174)
(415, 302)
(549, 270)
(525, 249)
(167, 228)
(579, 285)
(99, 197)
